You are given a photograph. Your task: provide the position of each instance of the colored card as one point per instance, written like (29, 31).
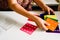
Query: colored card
(28, 28)
(57, 28)
(55, 31)
(42, 16)
(53, 24)
(51, 16)
(45, 13)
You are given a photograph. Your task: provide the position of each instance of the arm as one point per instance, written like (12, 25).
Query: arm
(44, 7)
(40, 3)
(16, 7)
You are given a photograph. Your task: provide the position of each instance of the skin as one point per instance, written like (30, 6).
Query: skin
(18, 8)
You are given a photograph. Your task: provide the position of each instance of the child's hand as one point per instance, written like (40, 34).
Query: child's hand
(48, 9)
(41, 23)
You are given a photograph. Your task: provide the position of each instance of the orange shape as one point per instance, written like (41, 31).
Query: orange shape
(53, 24)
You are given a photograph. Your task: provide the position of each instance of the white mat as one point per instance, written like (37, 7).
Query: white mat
(10, 19)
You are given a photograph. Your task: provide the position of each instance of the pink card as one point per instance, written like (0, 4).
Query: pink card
(29, 20)
(28, 28)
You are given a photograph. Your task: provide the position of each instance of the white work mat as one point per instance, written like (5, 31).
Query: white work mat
(15, 33)
(8, 20)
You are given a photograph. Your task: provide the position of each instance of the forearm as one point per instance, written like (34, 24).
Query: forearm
(40, 3)
(16, 7)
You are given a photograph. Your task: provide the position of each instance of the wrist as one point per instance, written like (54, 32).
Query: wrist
(37, 19)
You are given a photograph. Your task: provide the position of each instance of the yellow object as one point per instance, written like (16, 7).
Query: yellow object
(50, 16)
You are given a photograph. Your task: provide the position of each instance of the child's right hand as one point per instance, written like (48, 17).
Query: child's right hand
(41, 23)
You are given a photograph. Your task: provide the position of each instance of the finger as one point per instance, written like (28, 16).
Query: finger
(44, 27)
(46, 23)
(39, 25)
(49, 12)
(52, 11)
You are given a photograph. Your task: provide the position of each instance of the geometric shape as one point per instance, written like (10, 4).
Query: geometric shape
(42, 15)
(56, 31)
(29, 28)
(50, 16)
(53, 24)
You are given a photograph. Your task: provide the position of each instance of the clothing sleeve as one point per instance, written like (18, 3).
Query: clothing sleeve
(3, 4)
(22, 3)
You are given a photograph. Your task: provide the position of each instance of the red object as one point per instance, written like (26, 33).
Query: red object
(29, 20)
(28, 28)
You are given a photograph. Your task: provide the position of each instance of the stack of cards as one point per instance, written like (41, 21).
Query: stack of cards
(49, 19)
(53, 24)
(53, 17)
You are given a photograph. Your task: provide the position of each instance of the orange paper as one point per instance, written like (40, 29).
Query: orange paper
(53, 24)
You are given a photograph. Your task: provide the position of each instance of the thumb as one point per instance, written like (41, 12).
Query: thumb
(47, 24)
(42, 26)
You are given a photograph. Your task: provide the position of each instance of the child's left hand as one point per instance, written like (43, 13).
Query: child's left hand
(48, 9)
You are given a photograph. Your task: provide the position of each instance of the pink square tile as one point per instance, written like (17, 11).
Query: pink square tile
(29, 28)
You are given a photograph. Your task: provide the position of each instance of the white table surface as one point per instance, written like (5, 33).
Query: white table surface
(15, 22)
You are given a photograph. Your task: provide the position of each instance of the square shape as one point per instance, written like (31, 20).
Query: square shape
(28, 28)
(45, 13)
(42, 15)
(53, 24)
(51, 16)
